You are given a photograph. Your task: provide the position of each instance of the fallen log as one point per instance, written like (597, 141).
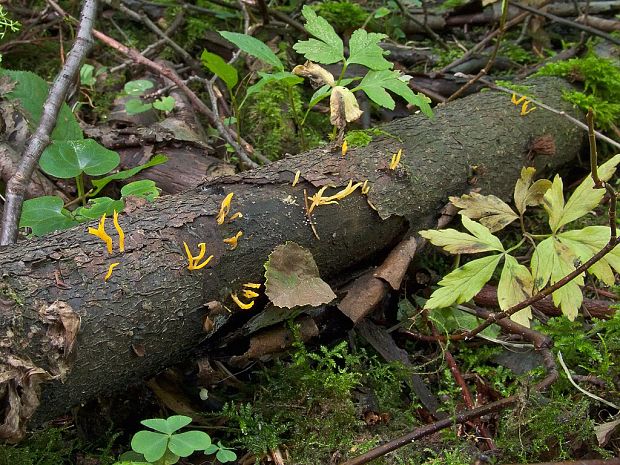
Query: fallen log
(68, 335)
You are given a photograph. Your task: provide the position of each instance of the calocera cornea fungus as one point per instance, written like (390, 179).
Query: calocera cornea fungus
(296, 180)
(252, 285)
(101, 234)
(235, 216)
(516, 101)
(248, 294)
(365, 187)
(232, 241)
(525, 110)
(121, 233)
(224, 208)
(194, 262)
(241, 304)
(109, 273)
(344, 148)
(318, 199)
(524, 102)
(396, 159)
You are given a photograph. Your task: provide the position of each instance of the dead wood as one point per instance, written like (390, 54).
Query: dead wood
(152, 311)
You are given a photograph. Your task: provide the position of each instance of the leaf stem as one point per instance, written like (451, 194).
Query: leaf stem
(79, 181)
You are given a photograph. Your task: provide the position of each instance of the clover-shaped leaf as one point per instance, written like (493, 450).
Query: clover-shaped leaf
(150, 444)
(185, 444)
(169, 425)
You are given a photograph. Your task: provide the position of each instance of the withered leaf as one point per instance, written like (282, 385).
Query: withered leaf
(489, 210)
(292, 278)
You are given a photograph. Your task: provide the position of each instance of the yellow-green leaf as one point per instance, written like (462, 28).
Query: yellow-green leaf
(529, 194)
(542, 263)
(553, 201)
(489, 210)
(515, 285)
(457, 242)
(588, 241)
(463, 283)
(569, 296)
(585, 197)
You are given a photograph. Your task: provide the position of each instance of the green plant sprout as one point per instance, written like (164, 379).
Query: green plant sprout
(165, 446)
(69, 156)
(556, 255)
(326, 47)
(135, 105)
(7, 24)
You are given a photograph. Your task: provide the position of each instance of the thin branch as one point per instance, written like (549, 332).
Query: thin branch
(243, 149)
(568, 22)
(17, 185)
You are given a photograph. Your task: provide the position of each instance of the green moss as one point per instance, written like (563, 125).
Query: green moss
(358, 138)
(601, 81)
(8, 292)
(341, 15)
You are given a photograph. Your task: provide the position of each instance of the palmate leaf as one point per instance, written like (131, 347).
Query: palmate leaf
(328, 48)
(463, 283)
(375, 84)
(515, 285)
(364, 49)
(489, 210)
(457, 242)
(551, 261)
(527, 192)
(583, 200)
(588, 241)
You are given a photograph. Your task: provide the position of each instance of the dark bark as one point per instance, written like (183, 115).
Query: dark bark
(154, 306)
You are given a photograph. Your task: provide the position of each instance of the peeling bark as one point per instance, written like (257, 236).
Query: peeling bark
(154, 303)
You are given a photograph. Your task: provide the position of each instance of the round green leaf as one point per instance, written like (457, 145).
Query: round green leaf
(164, 103)
(152, 445)
(135, 106)
(138, 87)
(44, 215)
(145, 188)
(226, 455)
(67, 159)
(184, 444)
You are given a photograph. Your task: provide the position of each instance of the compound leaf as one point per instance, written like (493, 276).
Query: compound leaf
(463, 283)
(529, 193)
(375, 84)
(489, 210)
(364, 49)
(457, 242)
(150, 444)
(185, 444)
(328, 48)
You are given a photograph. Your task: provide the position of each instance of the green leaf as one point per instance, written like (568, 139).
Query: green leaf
(489, 210)
(286, 77)
(321, 93)
(138, 87)
(44, 215)
(135, 106)
(212, 449)
(457, 242)
(328, 48)
(97, 207)
(588, 241)
(515, 285)
(375, 84)
(364, 49)
(87, 76)
(68, 159)
(150, 444)
(169, 425)
(550, 262)
(102, 182)
(463, 283)
(31, 91)
(144, 188)
(218, 66)
(381, 12)
(184, 444)
(226, 455)
(553, 201)
(164, 104)
(254, 47)
(451, 319)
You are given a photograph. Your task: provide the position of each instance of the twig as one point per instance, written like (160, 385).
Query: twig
(568, 22)
(17, 185)
(490, 61)
(243, 149)
(424, 26)
(483, 43)
(589, 394)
